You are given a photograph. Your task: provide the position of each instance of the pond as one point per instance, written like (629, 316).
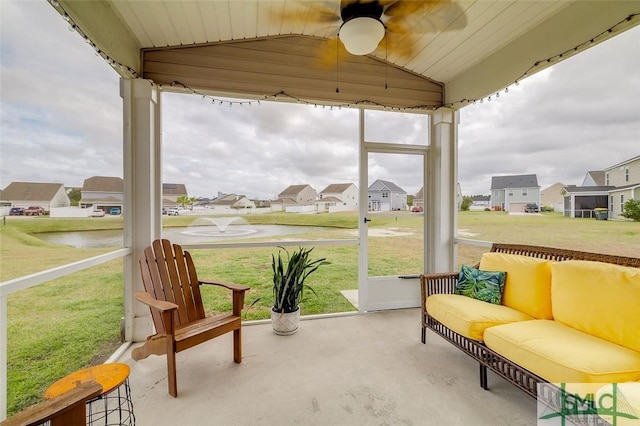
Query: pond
(199, 232)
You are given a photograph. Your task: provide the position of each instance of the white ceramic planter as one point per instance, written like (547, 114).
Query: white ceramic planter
(285, 324)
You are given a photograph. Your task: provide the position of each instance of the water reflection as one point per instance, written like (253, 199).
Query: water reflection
(198, 232)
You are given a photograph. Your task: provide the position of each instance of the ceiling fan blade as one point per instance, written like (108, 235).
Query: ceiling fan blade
(399, 40)
(311, 12)
(428, 16)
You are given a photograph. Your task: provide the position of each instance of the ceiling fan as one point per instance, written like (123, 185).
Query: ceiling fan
(362, 24)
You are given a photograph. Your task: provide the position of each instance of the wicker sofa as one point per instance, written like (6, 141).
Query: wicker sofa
(565, 316)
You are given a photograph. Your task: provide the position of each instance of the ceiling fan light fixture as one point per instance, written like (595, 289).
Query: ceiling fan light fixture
(361, 35)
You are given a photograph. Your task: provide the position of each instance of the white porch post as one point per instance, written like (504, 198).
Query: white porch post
(142, 192)
(441, 195)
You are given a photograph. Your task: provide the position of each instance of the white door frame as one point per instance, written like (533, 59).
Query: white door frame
(392, 292)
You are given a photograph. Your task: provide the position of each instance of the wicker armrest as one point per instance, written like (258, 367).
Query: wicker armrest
(438, 283)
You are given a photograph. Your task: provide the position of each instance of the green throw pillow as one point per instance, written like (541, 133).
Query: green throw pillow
(482, 285)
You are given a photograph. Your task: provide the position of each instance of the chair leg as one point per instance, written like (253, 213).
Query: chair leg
(171, 366)
(237, 346)
(424, 334)
(483, 377)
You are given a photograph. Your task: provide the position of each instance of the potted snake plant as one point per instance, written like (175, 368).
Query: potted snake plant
(290, 270)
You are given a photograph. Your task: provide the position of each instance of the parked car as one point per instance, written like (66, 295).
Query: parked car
(34, 211)
(417, 209)
(532, 208)
(176, 211)
(97, 213)
(115, 211)
(16, 211)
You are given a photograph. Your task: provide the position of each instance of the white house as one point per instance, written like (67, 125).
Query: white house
(231, 202)
(338, 197)
(27, 194)
(102, 193)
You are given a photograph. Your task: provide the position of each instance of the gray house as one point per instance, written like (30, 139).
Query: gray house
(386, 196)
(512, 193)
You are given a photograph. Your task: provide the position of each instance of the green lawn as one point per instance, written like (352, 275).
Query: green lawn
(74, 322)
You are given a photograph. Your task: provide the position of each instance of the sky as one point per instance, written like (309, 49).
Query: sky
(61, 121)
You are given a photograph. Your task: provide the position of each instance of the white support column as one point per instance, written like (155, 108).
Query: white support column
(441, 196)
(142, 192)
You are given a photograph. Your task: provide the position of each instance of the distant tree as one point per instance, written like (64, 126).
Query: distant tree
(631, 210)
(192, 201)
(182, 200)
(186, 201)
(466, 203)
(75, 194)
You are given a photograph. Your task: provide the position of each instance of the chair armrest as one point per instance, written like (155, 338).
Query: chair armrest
(230, 286)
(238, 293)
(153, 303)
(67, 408)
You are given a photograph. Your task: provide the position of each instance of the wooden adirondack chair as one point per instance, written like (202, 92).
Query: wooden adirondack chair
(172, 292)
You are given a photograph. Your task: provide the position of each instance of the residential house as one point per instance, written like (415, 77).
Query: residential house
(553, 196)
(480, 202)
(338, 197)
(609, 188)
(580, 201)
(102, 193)
(296, 198)
(625, 177)
(171, 192)
(418, 199)
(231, 202)
(593, 178)
(513, 192)
(386, 196)
(27, 194)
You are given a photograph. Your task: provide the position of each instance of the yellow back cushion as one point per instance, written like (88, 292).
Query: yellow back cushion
(598, 298)
(528, 284)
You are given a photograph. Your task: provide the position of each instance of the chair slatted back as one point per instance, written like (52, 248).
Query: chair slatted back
(168, 273)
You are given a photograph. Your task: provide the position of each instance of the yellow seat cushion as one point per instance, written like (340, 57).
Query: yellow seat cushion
(598, 298)
(470, 317)
(627, 403)
(561, 354)
(528, 284)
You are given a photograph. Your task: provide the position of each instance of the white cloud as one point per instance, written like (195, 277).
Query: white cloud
(61, 120)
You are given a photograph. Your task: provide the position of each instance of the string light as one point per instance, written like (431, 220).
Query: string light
(283, 94)
(551, 59)
(99, 52)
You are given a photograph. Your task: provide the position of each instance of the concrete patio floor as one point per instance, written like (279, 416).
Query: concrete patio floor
(364, 369)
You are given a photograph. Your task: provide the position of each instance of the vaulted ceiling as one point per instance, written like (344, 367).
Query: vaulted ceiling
(446, 53)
